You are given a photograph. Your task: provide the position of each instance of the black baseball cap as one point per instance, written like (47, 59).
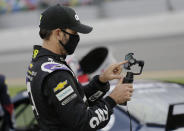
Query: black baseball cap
(59, 16)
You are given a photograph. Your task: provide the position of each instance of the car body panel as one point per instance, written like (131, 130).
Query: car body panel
(147, 95)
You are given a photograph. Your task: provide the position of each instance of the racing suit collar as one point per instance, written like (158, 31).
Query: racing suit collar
(39, 51)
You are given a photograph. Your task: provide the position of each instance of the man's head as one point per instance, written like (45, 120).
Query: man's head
(60, 26)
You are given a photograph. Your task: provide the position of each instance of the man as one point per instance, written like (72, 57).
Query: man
(59, 102)
(7, 106)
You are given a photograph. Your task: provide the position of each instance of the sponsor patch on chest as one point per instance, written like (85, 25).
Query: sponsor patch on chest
(64, 93)
(68, 99)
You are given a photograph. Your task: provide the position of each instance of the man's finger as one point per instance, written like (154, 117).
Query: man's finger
(128, 85)
(130, 90)
(121, 63)
(121, 79)
(117, 70)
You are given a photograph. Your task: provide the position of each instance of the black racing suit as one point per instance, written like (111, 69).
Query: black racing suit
(59, 102)
(7, 106)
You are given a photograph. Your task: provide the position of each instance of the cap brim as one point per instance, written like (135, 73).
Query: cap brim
(81, 28)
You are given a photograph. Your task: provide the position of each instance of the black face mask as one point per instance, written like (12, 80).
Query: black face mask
(72, 43)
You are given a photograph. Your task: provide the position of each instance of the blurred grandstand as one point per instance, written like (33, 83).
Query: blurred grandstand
(17, 5)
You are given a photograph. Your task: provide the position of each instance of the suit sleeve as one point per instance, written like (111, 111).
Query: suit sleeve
(4, 96)
(72, 111)
(6, 103)
(95, 90)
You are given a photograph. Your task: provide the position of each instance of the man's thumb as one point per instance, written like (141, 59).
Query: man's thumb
(117, 76)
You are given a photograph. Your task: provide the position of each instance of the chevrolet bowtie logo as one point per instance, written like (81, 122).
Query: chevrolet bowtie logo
(60, 86)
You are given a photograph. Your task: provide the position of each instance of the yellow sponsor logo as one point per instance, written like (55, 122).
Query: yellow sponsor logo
(40, 17)
(31, 65)
(60, 86)
(35, 53)
(29, 72)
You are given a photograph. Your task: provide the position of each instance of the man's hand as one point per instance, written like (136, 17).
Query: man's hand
(112, 72)
(122, 92)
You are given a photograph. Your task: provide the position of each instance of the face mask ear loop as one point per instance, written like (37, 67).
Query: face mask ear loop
(60, 41)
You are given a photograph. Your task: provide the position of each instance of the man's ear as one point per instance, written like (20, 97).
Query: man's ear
(58, 34)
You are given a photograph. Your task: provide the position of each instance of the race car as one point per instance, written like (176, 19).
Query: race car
(155, 106)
